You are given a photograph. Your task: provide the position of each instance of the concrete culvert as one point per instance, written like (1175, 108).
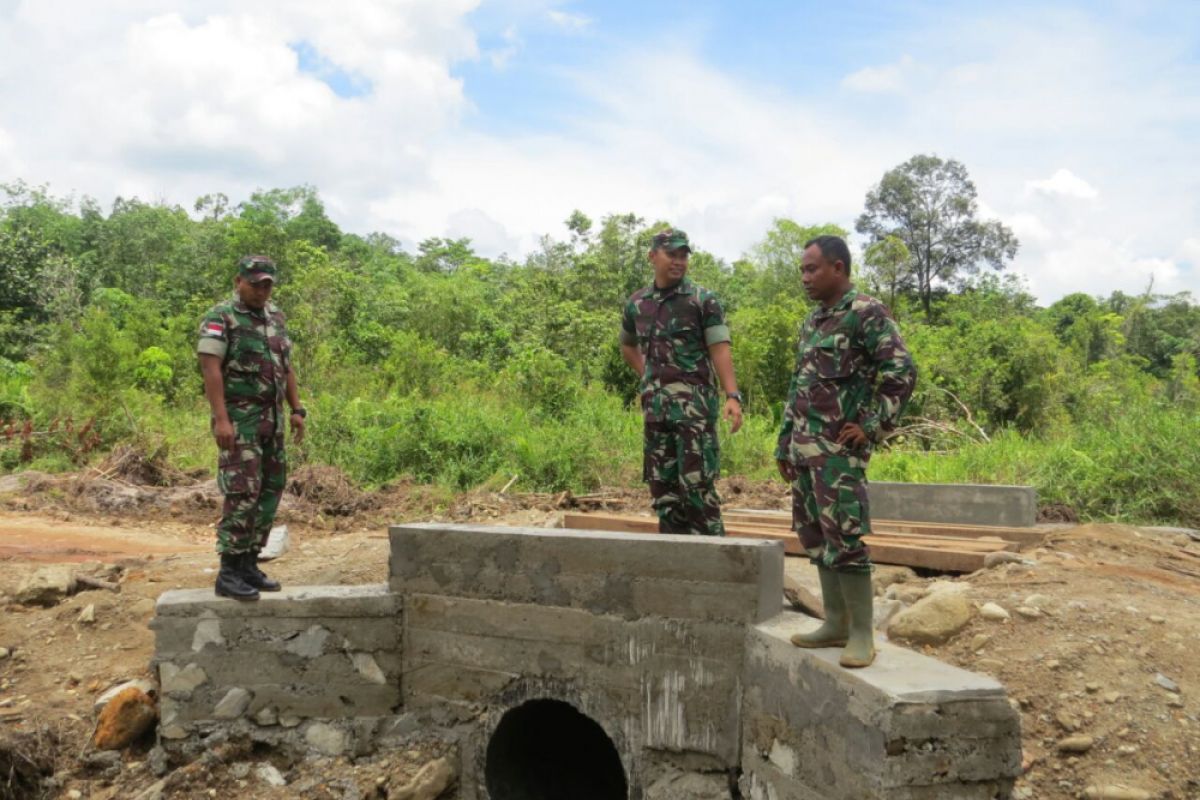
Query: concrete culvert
(546, 750)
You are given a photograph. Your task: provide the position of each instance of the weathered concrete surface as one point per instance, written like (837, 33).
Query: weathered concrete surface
(958, 503)
(620, 574)
(643, 634)
(906, 728)
(306, 653)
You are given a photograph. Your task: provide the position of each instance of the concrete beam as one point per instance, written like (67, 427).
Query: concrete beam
(957, 503)
(619, 574)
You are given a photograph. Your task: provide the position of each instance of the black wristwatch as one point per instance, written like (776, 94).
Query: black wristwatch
(302, 412)
(736, 396)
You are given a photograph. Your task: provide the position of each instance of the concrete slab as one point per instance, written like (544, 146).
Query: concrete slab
(368, 600)
(957, 503)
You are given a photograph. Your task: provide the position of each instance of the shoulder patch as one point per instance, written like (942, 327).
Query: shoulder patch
(213, 328)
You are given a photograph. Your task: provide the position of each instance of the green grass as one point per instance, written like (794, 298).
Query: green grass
(1139, 467)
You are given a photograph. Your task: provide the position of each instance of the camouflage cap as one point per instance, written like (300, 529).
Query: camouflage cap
(670, 239)
(257, 268)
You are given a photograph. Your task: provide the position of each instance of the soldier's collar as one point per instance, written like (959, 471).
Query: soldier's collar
(242, 308)
(683, 287)
(842, 304)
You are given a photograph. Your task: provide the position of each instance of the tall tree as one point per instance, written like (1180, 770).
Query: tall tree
(929, 204)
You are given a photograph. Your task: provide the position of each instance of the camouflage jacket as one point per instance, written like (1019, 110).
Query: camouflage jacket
(851, 366)
(256, 355)
(673, 328)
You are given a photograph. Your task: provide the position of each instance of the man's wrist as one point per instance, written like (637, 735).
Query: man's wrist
(736, 396)
(299, 411)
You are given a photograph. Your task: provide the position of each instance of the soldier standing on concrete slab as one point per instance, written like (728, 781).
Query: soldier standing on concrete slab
(246, 360)
(674, 336)
(853, 378)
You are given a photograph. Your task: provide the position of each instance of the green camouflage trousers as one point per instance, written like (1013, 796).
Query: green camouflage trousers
(831, 514)
(251, 476)
(681, 461)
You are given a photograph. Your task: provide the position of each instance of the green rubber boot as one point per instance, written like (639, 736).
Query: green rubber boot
(836, 626)
(859, 599)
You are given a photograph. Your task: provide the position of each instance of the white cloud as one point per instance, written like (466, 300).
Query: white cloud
(888, 78)
(1189, 252)
(568, 21)
(1064, 183)
(129, 98)
(211, 97)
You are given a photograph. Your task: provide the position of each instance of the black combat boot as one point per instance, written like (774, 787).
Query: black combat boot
(231, 582)
(255, 576)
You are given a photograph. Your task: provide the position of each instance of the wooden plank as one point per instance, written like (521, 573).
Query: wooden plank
(642, 524)
(1022, 536)
(883, 551)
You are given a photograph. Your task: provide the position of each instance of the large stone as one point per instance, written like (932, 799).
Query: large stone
(933, 619)
(46, 586)
(146, 687)
(126, 717)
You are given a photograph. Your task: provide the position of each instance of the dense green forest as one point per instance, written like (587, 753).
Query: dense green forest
(444, 366)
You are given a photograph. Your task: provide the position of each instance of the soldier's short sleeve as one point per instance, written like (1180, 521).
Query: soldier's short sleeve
(712, 317)
(628, 328)
(213, 335)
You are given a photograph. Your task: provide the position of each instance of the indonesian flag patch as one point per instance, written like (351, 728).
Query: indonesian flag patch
(214, 329)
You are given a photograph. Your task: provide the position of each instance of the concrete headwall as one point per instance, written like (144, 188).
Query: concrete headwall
(906, 728)
(956, 503)
(321, 659)
(644, 635)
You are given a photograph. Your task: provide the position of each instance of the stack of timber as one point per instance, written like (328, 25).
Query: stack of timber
(947, 548)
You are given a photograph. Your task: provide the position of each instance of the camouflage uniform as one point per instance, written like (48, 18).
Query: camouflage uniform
(674, 328)
(255, 354)
(851, 366)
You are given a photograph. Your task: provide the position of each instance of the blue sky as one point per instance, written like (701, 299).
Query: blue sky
(1079, 122)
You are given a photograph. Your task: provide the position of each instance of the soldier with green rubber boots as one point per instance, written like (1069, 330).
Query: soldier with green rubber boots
(246, 362)
(852, 380)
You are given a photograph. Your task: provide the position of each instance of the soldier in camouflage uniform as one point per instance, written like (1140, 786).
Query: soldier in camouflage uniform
(674, 336)
(246, 360)
(853, 378)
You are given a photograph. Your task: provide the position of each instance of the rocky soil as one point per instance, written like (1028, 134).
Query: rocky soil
(1095, 635)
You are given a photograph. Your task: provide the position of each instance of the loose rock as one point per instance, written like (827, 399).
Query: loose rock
(268, 774)
(1076, 744)
(994, 612)
(1002, 557)
(47, 586)
(429, 782)
(126, 717)
(1166, 683)
(802, 599)
(142, 685)
(933, 619)
(1116, 793)
(88, 615)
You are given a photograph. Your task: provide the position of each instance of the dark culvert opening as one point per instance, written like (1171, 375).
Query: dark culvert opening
(546, 750)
